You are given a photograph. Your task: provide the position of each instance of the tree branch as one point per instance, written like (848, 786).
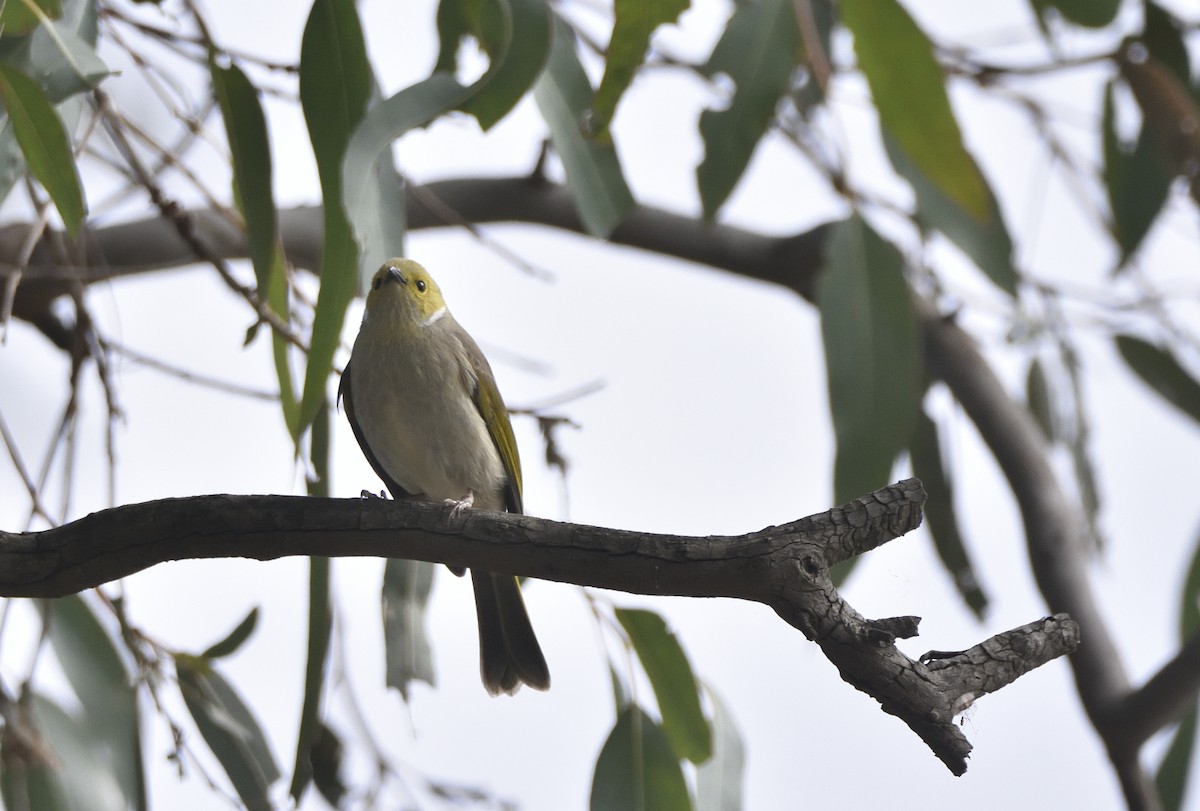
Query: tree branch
(786, 568)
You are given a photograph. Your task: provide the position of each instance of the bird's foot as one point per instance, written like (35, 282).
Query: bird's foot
(368, 494)
(456, 509)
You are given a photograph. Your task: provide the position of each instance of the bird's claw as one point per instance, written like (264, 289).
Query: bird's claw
(368, 494)
(456, 509)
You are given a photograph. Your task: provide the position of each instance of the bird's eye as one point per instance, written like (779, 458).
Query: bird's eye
(420, 285)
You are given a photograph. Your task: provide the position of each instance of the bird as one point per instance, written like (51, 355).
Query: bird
(423, 404)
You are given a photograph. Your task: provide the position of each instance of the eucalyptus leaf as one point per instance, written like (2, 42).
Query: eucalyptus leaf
(637, 769)
(1135, 178)
(235, 638)
(910, 94)
(872, 356)
(720, 781)
(335, 85)
(675, 687)
(1088, 13)
(633, 23)
(1161, 372)
(406, 588)
(594, 175)
(758, 53)
(230, 730)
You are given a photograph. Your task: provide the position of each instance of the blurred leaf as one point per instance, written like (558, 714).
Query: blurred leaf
(806, 92)
(104, 686)
(327, 759)
(320, 624)
(985, 240)
(594, 175)
(909, 92)
(1163, 35)
(872, 356)
(633, 23)
(1171, 779)
(675, 687)
(60, 56)
(44, 142)
(12, 162)
(1041, 405)
(235, 639)
(50, 762)
(1169, 111)
(758, 52)
(940, 516)
(515, 34)
(1089, 13)
(406, 588)
(229, 729)
(335, 84)
(720, 780)
(1160, 371)
(372, 195)
(1136, 180)
(19, 17)
(637, 769)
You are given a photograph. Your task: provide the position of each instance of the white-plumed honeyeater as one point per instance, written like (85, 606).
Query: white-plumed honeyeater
(426, 412)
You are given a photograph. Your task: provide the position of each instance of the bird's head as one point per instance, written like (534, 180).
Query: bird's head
(404, 295)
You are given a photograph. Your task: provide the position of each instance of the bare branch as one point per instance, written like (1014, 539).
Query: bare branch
(784, 567)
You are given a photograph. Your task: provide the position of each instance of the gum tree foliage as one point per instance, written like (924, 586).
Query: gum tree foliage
(885, 269)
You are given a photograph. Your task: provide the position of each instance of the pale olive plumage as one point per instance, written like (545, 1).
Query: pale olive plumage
(424, 407)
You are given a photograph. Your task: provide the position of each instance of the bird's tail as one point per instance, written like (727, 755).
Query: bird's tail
(509, 653)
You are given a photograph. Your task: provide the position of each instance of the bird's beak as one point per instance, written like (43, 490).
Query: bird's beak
(394, 275)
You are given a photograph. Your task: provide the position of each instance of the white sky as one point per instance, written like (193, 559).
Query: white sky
(713, 419)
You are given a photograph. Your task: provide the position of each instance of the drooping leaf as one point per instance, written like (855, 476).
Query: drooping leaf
(758, 53)
(593, 169)
(872, 356)
(320, 625)
(377, 220)
(636, 770)
(1088, 13)
(335, 84)
(1160, 371)
(406, 588)
(235, 638)
(720, 779)
(1040, 401)
(985, 240)
(51, 762)
(327, 758)
(515, 34)
(229, 729)
(910, 94)
(60, 56)
(44, 143)
(675, 687)
(1136, 179)
(22, 16)
(1163, 35)
(1175, 768)
(1169, 110)
(105, 689)
(940, 516)
(633, 23)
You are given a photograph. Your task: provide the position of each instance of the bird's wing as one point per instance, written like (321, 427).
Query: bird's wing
(344, 389)
(488, 401)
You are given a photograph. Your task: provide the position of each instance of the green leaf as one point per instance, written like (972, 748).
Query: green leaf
(720, 780)
(1163, 37)
(940, 517)
(19, 17)
(593, 169)
(104, 686)
(1041, 405)
(335, 85)
(62, 770)
(1089, 13)
(406, 588)
(872, 356)
(44, 142)
(758, 52)
(229, 729)
(377, 221)
(1171, 779)
(907, 85)
(60, 56)
(1169, 111)
(1160, 371)
(675, 688)
(235, 638)
(986, 240)
(633, 23)
(636, 770)
(515, 34)
(1136, 180)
